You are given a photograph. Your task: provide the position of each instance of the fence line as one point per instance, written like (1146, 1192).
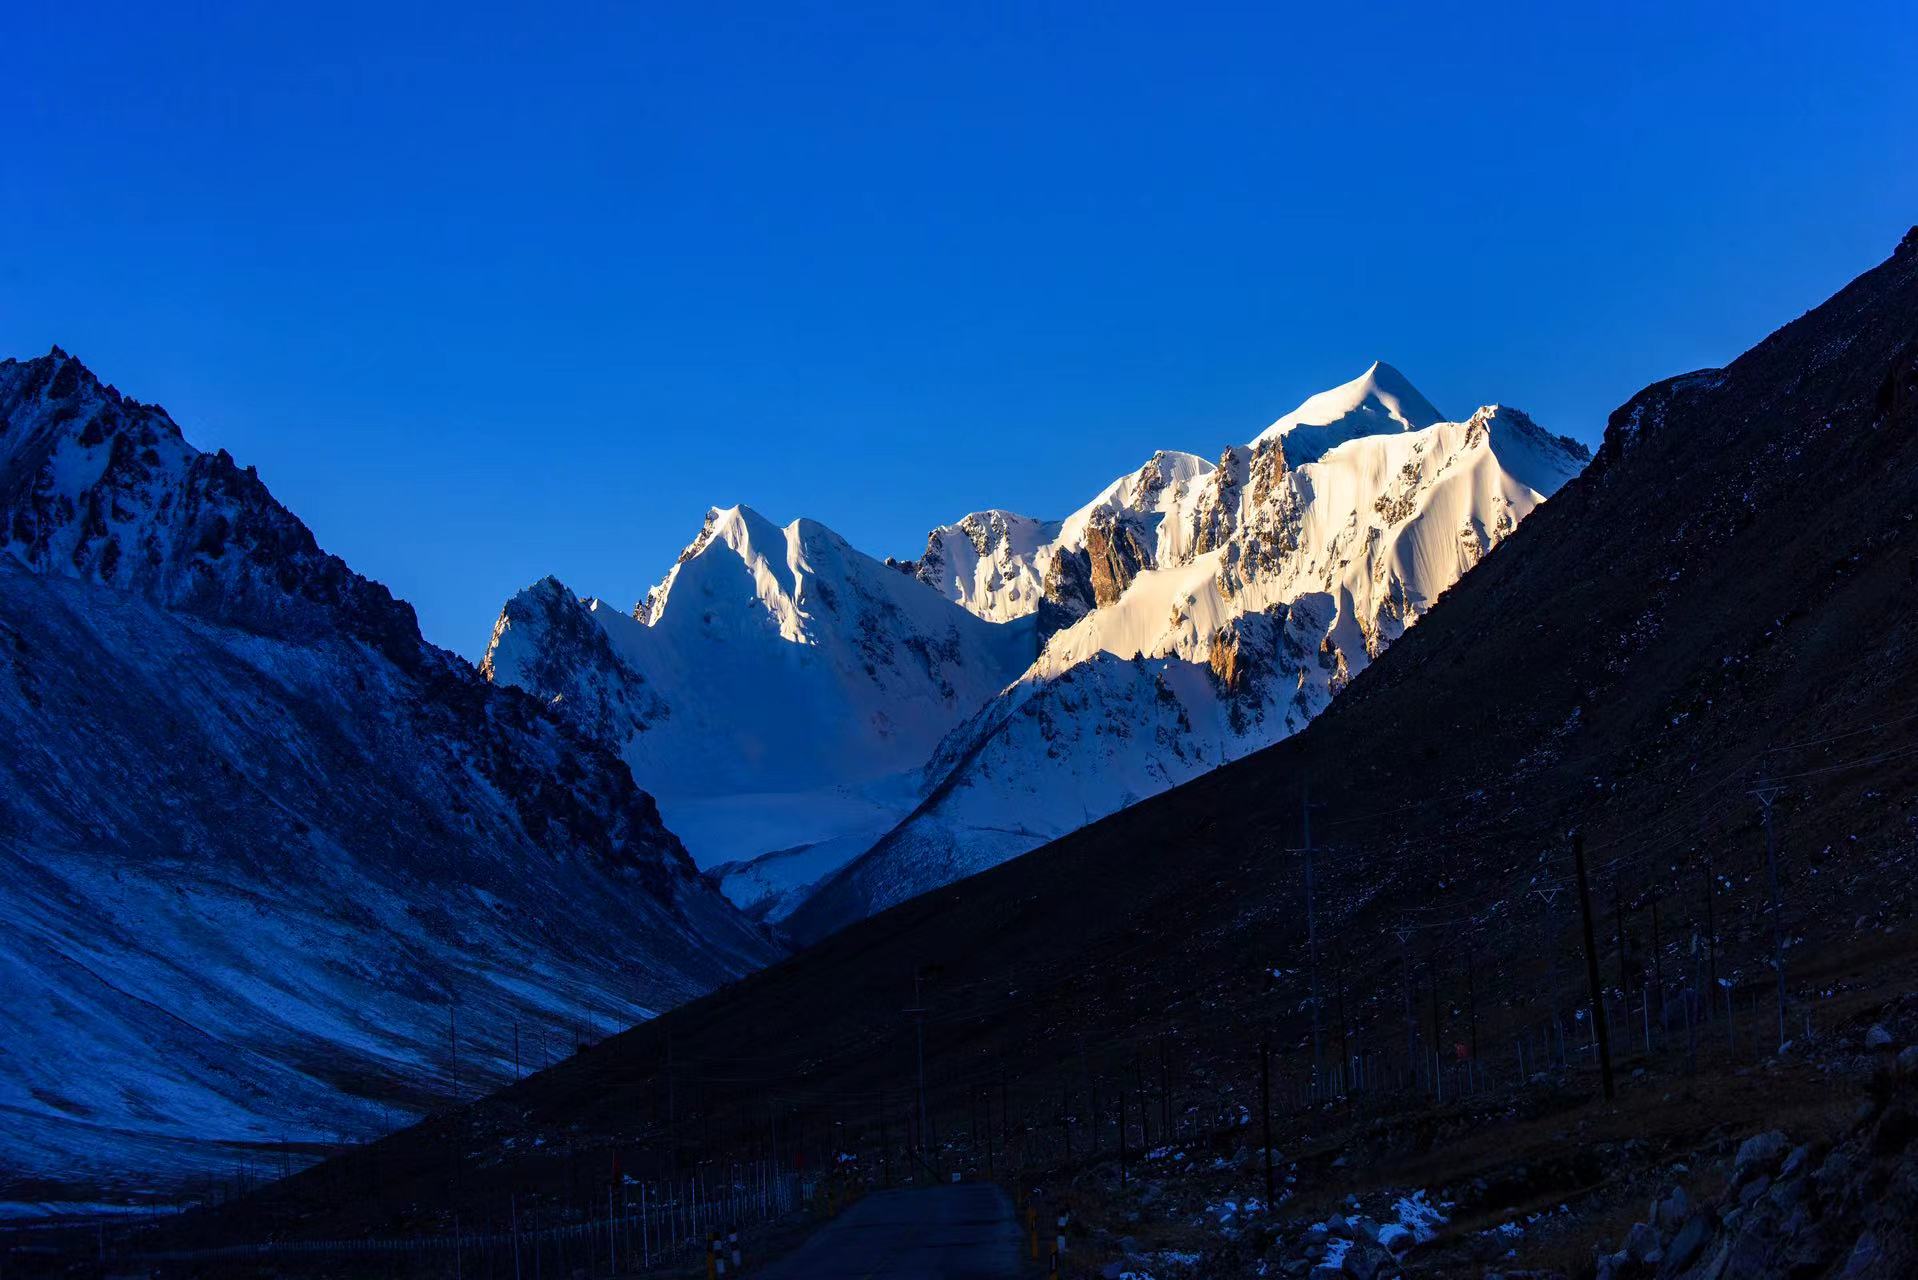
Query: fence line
(654, 1230)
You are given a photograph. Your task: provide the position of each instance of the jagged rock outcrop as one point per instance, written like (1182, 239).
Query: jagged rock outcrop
(1116, 550)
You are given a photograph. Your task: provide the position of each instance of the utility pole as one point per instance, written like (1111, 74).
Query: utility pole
(1311, 933)
(1165, 1091)
(1345, 1049)
(1411, 1029)
(1438, 1031)
(1145, 1104)
(1591, 967)
(1624, 982)
(918, 1012)
(1471, 1001)
(1005, 1116)
(1658, 965)
(1711, 935)
(1766, 794)
(1265, 1114)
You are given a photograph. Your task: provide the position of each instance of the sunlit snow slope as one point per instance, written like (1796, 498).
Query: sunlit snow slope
(1214, 609)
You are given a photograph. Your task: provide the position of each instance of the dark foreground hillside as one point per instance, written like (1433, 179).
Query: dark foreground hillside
(1723, 604)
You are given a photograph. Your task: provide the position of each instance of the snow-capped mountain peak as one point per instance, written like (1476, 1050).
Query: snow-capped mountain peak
(1221, 607)
(1379, 400)
(790, 700)
(771, 688)
(999, 565)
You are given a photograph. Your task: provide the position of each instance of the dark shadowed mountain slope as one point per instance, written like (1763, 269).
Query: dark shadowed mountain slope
(273, 869)
(1726, 594)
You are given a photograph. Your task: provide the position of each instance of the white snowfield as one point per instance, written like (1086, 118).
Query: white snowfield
(839, 735)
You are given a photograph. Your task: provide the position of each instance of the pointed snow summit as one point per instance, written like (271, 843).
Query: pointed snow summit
(1381, 400)
(772, 689)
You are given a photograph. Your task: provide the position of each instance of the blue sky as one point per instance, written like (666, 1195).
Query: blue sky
(488, 294)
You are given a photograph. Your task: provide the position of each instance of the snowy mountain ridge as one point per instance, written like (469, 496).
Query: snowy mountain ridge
(1230, 604)
(805, 712)
(1001, 565)
(777, 689)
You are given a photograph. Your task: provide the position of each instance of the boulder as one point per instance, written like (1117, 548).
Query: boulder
(1750, 1250)
(1641, 1242)
(1786, 1193)
(1671, 1212)
(1908, 1060)
(1877, 1037)
(1864, 1260)
(1833, 1172)
(1688, 1243)
(1757, 1154)
(1366, 1260)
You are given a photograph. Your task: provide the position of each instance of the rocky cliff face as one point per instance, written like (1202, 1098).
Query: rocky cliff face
(262, 844)
(1230, 604)
(97, 486)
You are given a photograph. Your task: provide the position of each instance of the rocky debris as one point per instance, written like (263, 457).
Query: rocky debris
(1786, 1213)
(1689, 1241)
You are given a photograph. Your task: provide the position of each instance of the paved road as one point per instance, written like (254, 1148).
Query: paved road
(963, 1232)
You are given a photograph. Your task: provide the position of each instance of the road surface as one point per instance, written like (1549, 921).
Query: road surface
(962, 1232)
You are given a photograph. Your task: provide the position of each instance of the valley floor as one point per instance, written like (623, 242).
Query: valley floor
(1508, 1174)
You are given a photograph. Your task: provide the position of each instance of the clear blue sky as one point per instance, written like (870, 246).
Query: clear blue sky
(487, 295)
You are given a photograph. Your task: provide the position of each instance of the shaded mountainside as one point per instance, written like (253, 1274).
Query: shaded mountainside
(258, 836)
(1725, 594)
